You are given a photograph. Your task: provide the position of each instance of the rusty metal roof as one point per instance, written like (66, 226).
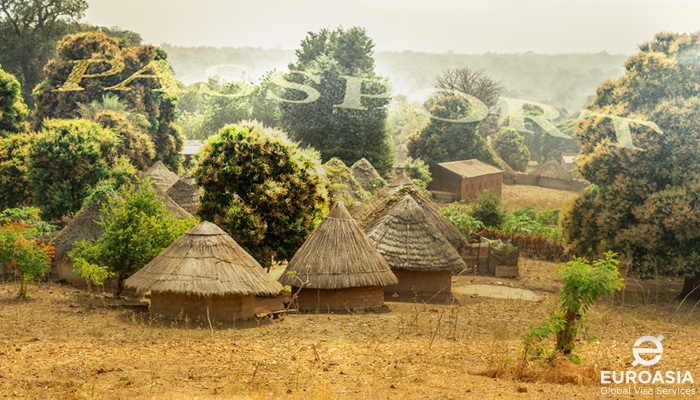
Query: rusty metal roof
(470, 168)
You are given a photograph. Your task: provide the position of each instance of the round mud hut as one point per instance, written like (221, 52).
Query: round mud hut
(402, 180)
(137, 181)
(337, 268)
(420, 257)
(161, 176)
(186, 193)
(368, 177)
(343, 186)
(204, 273)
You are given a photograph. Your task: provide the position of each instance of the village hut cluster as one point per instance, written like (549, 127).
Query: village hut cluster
(395, 244)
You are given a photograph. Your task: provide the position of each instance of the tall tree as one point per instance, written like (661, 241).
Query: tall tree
(29, 31)
(330, 124)
(142, 83)
(644, 204)
(443, 141)
(508, 144)
(479, 85)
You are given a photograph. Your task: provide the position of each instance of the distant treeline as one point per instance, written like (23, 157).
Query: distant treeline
(565, 80)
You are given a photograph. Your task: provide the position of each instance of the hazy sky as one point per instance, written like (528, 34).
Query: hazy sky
(463, 26)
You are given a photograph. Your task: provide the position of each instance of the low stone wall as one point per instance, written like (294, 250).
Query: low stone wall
(221, 308)
(423, 283)
(314, 300)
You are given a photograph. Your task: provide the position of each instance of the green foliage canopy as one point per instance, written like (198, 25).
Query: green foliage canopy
(508, 144)
(261, 189)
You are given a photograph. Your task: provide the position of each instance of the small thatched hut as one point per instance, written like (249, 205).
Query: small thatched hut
(342, 269)
(433, 211)
(401, 180)
(367, 176)
(343, 186)
(137, 182)
(552, 175)
(417, 253)
(186, 193)
(161, 176)
(84, 226)
(204, 273)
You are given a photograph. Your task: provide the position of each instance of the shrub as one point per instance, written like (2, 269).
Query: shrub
(489, 210)
(583, 283)
(459, 217)
(508, 144)
(15, 187)
(13, 111)
(66, 161)
(261, 189)
(419, 172)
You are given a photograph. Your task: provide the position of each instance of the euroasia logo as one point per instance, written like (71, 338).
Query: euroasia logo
(645, 377)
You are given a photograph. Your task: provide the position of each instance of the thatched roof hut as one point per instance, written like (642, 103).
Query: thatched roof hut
(365, 208)
(341, 267)
(433, 211)
(84, 226)
(419, 255)
(186, 193)
(367, 176)
(161, 176)
(552, 175)
(343, 186)
(137, 182)
(204, 268)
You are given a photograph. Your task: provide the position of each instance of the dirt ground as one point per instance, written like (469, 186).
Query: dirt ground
(52, 347)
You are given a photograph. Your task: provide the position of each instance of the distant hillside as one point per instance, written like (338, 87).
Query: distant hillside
(559, 80)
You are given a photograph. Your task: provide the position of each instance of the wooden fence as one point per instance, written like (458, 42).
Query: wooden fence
(538, 247)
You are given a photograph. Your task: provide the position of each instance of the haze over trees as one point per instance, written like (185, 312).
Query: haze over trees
(644, 204)
(335, 130)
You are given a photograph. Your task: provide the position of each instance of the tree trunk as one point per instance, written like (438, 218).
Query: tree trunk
(689, 287)
(120, 285)
(565, 338)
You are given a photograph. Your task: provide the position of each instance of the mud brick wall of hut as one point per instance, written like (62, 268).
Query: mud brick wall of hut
(340, 299)
(421, 282)
(445, 180)
(221, 308)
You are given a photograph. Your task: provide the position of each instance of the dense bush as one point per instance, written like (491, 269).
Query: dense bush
(13, 111)
(261, 189)
(15, 187)
(419, 172)
(142, 95)
(66, 161)
(488, 209)
(508, 144)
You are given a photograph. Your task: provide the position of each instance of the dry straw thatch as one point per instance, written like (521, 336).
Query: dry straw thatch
(161, 176)
(84, 226)
(408, 240)
(552, 169)
(433, 211)
(137, 182)
(186, 193)
(343, 186)
(338, 255)
(365, 208)
(205, 261)
(367, 176)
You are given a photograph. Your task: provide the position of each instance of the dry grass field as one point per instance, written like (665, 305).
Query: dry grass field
(52, 347)
(519, 196)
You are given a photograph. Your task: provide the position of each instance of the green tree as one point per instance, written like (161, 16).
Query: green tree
(66, 161)
(404, 120)
(643, 204)
(137, 227)
(442, 141)
(29, 31)
(141, 95)
(346, 133)
(489, 210)
(508, 144)
(15, 187)
(419, 172)
(261, 189)
(13, 112)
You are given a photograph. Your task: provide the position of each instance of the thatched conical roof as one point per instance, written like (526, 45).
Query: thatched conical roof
(185, 193)
(161, 176)
(137, 182)
(205, 261)
(338, 255)
(408, 240)
(343, 185)
(367, 176)
(84, 226)
(552, 169)
(365, 208)
(433, 211)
